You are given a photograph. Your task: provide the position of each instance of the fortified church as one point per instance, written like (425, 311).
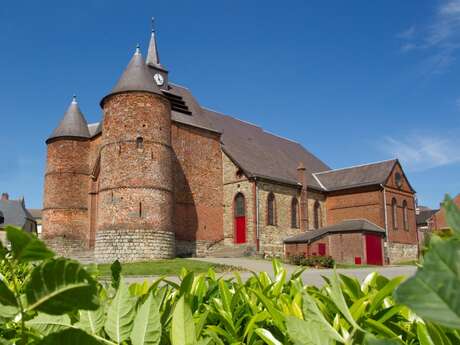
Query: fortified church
(162, 176)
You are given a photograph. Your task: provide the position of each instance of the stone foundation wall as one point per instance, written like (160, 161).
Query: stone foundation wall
(397, 252)
(133, 245)
(68, 247)
(197, 248)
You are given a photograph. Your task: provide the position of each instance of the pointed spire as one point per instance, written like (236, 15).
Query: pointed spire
(73, 124)
(136, 77)
(153, 58)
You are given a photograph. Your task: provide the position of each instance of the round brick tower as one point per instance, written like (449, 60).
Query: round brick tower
(136, 191)
(65, 209)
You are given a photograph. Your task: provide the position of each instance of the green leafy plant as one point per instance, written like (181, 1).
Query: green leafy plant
(57, 301)
(312, 261)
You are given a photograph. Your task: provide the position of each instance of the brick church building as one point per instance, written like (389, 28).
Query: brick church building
(161, 176)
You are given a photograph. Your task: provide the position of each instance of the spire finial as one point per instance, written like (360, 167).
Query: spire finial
(138, 49)
(153, 24)
(74, 99)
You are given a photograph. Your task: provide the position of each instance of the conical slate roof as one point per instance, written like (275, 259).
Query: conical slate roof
(73, 124)
(153, 59)
(136, 77)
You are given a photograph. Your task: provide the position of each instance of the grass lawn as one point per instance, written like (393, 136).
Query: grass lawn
(166, 267)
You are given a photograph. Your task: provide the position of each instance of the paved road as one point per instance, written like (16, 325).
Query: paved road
(310, 276)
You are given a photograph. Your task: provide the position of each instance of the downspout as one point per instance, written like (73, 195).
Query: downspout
(416, 230)
(257, 216)
(386, 221)
(385, 211)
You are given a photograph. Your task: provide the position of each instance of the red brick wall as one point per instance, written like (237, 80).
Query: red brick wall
(361, 203)
(65, 208)
(400, 194)
(135, 184)
(198, 188)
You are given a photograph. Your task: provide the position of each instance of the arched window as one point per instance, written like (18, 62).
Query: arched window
(394, 212)
(139, 142)
(271, 219)
(239, 205)
(317, 215)
(405, 217)
(294, 213)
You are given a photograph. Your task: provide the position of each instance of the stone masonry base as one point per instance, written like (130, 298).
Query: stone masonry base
(401, 252)
(198, 248)
(133, 245)
(64, 246)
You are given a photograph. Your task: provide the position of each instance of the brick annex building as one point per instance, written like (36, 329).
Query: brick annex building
(162, 176)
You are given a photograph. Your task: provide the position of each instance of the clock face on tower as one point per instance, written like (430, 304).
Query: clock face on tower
(159, 79)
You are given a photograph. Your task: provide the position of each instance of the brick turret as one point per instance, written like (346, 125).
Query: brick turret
(136, 191)
(65, 209)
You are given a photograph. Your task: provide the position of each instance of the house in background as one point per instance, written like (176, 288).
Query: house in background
(14, 212)
(37, 214)
(437, 222)
(423, 215)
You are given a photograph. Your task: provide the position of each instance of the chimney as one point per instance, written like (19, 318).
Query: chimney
(5, 196)
(302, 180)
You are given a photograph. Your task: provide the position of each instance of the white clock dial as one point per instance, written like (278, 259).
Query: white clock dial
(158, 79)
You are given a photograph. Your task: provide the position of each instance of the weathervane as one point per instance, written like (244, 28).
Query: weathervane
(153, 24)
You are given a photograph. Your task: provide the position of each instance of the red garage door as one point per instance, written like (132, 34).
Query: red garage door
(374, 249)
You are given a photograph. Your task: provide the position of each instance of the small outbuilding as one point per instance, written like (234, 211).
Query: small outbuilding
(351, 241)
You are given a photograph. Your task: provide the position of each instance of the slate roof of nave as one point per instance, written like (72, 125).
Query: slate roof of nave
(265, 155)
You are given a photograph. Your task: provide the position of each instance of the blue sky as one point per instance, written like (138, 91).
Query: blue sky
(353, 81)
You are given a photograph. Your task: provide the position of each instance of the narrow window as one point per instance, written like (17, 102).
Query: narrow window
(405, 216)
(294, 213)
(239, 205)
(271, 209)
(140, 209)
(317, 215)
(394, 212)
(140, 142)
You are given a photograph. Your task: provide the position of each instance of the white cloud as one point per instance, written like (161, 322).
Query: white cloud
(423, 151)
(439, 40)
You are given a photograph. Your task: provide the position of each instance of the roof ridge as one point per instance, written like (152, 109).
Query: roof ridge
(356, 166)
(231, 116)
(319, 181)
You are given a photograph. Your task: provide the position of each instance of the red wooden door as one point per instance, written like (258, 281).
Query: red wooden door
(322, 249)
(240, 229)
(374, 249)
(240, 219)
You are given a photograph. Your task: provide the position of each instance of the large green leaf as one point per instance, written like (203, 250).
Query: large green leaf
(316, 319)
(339, 300)
(69, 336)
(370, 339)
(183, 327)
(59, 286)
(452, 215)
(147, 324)
(91, 321)
(306, 332)
(47, 324)
(433, 293)
(25, 246)
(6, 295)
(267, 336)
(115, 270)
(120, 314)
